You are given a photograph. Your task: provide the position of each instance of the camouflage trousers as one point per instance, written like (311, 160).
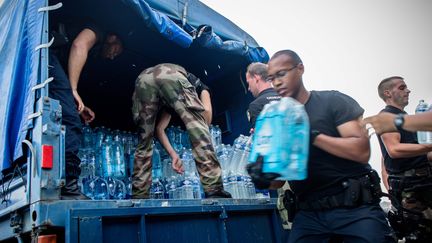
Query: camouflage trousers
(166, 84)
(413, 198)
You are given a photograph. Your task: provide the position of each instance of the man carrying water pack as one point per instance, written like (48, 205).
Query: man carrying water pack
(340, 197)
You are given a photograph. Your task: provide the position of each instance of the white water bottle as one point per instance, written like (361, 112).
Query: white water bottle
(423, 137)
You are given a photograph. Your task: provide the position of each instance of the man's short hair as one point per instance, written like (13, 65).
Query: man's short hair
(258, 68)
(292, 54)
(386, 84)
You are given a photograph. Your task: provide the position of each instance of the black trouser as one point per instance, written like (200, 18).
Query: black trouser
(412, 196)
(60, 89)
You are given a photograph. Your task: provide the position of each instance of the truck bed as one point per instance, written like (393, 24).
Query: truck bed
(207, 220)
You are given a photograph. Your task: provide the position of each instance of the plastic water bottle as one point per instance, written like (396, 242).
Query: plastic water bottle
(98, 189)
(129, 153)
(282, 138)
(156, 163)
(223, 158)
(88, 141)
(198, 190)
(157, 189)
(100, 136)
(212, 135)
(191, 175)
(233, 180)
(218, 133)
(116, 188)
(118, 156)
(241, 169)
(429, 133)
(107, 157)
(185, 185)
(248, 186)
(423, 137)
(177, 145)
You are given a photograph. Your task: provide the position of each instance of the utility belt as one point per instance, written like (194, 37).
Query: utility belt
(424, 171)
(417, 179)
(356, 191)
(411, 195)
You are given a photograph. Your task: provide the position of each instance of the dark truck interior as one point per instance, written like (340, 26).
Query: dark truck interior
(106, 86)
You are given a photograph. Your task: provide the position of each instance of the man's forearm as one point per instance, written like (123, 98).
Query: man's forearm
(352, 148)
(419, 122)
(77, 59)
(407, 150)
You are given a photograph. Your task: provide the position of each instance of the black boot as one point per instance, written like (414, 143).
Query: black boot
(218, 194)
(71, 191)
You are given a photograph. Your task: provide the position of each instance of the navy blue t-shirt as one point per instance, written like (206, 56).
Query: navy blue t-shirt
(401, 164)
(256, 106)
(327, 110)
(62, 47)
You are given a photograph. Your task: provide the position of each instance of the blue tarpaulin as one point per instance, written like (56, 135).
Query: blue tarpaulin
(22, 30)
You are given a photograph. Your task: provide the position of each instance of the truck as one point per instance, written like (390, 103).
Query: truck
(32, 139)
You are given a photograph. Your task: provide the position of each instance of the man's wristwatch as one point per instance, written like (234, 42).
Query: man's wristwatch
(313, 134)
(399, 121)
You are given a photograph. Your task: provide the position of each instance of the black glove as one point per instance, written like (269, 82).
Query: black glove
(197, 83)
(260, 179)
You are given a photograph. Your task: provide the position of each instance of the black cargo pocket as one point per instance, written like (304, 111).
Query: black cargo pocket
(190, 96)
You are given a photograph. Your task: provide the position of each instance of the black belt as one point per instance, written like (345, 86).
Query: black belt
(357, 191)
(420, 171)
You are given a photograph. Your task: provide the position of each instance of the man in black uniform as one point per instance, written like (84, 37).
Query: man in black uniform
(256, 75)
(341, 193)
(264, 93)
(408, 166)
(64, 88)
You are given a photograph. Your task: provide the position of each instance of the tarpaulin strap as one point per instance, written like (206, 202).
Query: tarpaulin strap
(246, 47)
(45, 45)
(49, 8)
(32, 151)
(41, 85)
(184, 17)
(34, 115)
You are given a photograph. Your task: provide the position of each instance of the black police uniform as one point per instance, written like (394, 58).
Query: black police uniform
(339, 196)
(256, 106)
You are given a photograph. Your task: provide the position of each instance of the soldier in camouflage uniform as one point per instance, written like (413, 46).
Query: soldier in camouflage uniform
(167, 85)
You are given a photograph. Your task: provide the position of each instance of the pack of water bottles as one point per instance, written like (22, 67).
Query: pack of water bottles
(424, 137)
(106, 163)
(107, 159)
(282, 138)
(233, 160)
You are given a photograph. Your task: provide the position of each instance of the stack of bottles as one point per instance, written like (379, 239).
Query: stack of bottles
(424, 137)
(233, 161)
(107, 164)
(167, 184)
